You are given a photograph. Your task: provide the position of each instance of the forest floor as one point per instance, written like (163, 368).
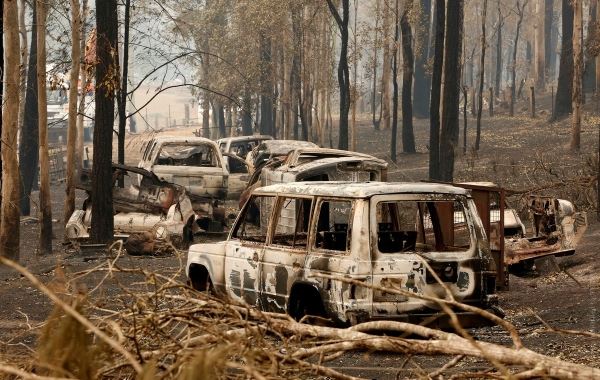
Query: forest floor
(516, 152)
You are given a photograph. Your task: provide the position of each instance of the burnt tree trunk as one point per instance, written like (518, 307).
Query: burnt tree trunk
(499, 26)
(266, 100)
(564, 90)
(451, 95)
(343, 70)
(481, 75)
(247, 115)
(577, 75)
(548, 21)
(69, 205)
(44, 193)
(436, 87)
(374, 119)
(422, 78)
(408, 136)
(122, 98)
(28, 148)
(102, 230)
(395, 88)
(9, 217)
(520, 13)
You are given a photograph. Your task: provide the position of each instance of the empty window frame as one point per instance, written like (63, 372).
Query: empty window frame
(292, 222)
(422, 226)
(334, 225)
(250, 226)
(187, 155)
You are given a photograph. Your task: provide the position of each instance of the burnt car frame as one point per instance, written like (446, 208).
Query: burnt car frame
(154, 206)
(381, 234)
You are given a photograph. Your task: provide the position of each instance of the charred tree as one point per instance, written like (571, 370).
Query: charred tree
(266, 99)
(422, 88)
(436, 87)
(122, 93)
(408, 136)
(481, 74)
(375, 120)
(343, 70)
(499, 25)
(395, 87)
(451, 92)
(83, 89)
(563, 101)
(44, 193)
(577, 75)
(520, 14)
(69, 205)
(28, 148)
(548, 25)
(102, 230)
(9, 216)
(386, 69)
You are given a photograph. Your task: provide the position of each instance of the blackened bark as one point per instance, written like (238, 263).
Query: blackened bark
(343, 70)
(374, 119)
(29, 146)
(247, 115)
(564, 90)
(1, 82)
(266, 100)
(436, 86)
(395, 86)
(422, 78)
(499, 50)
(481, 75)
(548, 21)
(408, 136)
(122, 100)
(102, 229)
(451, 97)
(520, 13)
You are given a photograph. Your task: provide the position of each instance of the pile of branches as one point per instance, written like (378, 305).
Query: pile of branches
(158, 327)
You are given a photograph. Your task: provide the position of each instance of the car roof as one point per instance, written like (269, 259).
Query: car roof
(331, 161)
(285, 146)
(359, 189)
(244, 138)
(182, 139)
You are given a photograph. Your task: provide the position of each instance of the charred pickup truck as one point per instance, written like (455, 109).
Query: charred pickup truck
(388, 235)
(196, 164)
(155, 206)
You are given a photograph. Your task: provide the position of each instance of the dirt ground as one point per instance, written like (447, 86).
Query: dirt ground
(517, 152)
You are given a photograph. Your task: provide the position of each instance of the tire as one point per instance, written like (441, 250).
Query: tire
(306, 305)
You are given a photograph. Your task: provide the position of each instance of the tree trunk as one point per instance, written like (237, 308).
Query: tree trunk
(499, 26)
(102, 230)
(577, 74)
(520, 13)
(386, 70)
(29, 147)
(548, 24)
(122, 93)
(395, 86)
(9, 217)
(69, 205)
(355, 93)
(465, 121)
(422, 78)
(266, 101)
(481, 75)
(45, 200)
(436, 88)
(24, 60)
(408, 136)
(564, 90)
(246, 115)
(451, 97)
(374, 96)
(540, 44)
(83, 89)
(343, 71)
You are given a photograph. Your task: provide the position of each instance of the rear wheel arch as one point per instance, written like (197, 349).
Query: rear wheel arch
(305, 299)
(200, 278)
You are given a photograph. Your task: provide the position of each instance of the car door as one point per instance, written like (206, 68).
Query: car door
(243, 253)
(285, 253)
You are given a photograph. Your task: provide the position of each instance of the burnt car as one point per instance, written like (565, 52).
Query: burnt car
(273, 148)
(155, 206)
(556, 229)
(235, 150)
(390, 235)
